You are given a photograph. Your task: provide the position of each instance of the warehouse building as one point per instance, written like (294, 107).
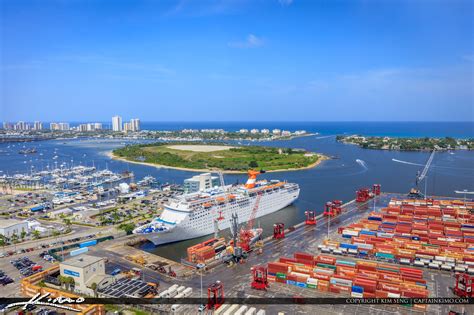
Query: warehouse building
(9, 227)
(86, 270)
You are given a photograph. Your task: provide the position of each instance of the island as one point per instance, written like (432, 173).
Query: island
(408, 144)
(218, 157)
(76, 132)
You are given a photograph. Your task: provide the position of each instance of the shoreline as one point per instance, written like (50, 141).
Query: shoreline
(114, 157)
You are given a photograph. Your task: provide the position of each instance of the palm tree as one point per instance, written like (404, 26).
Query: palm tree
(14, 237)
(94, 288)
(23, 234)
(36, 234)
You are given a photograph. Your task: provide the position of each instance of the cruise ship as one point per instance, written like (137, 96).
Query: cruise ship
(193, 215)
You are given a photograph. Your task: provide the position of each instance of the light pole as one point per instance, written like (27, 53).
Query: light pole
(329, 222)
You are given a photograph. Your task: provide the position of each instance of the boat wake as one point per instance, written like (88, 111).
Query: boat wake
(362, 163)
(406, 162)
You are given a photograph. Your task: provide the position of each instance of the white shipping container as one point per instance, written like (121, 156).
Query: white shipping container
(251, 311)
(393, 295)
(433, 266)
(312, 281)
(188, 291)
(353, 251)
(419, 263)
(343, 282)
(175, 307)
(241, 310)
(350, 232)
(180, 289)
(261, 312)
(440, 258)
(460, 268)
(221, 309)
(163, 294)
(446, 267)
(337, 252)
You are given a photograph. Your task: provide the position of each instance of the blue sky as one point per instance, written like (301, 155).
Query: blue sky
(211, 60)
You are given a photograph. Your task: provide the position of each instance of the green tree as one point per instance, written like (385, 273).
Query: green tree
(94, 288)
(36, 234)
(253, 164)
(14, 237)
(23, 234)
(127, 227)
(2, 241)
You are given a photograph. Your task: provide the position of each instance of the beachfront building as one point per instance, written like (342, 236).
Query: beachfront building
(38, 125)
(135, 124)
(200, 182)
(117, 123)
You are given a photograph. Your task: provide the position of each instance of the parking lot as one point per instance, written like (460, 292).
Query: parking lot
(24, 262)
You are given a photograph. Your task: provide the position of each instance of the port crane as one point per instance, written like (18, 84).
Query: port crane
(420, 176)
(246, 234)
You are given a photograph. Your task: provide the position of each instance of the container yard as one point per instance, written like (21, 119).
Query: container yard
(334, 255)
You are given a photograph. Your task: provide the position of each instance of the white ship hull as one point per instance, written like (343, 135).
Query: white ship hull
(200, 222)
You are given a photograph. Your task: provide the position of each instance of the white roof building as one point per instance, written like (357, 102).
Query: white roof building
(8, 227)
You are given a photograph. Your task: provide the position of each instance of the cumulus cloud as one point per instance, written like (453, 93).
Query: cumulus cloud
(251, 41)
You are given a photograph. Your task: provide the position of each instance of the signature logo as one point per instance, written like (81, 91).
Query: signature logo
(45, 300)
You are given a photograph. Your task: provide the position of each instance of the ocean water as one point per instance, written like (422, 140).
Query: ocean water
(334, 179)
(393, 129)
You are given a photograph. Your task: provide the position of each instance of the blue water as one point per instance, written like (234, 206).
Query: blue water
(393, 129)
(333, 179)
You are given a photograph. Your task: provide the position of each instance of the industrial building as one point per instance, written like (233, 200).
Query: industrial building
(86, 270)
(200, 182)
(12, 227)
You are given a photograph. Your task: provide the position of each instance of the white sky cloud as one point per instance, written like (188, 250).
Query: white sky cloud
(251, 41)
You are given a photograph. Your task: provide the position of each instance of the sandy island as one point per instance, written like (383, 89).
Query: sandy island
(208, 148)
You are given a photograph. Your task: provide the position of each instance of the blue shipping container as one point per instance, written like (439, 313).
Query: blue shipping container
(348, 246)
(79, 251)
(357, 289)
(38, 208)
(291, 282)
(88, 243)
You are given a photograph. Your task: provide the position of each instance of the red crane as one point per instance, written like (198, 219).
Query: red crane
(259, 275)
(215, 296)
(246, 234)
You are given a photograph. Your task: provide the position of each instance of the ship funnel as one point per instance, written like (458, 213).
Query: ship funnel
(252, 178)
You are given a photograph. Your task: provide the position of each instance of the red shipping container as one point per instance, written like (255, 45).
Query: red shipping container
(326, 259)
(287, 260)
(302, 255)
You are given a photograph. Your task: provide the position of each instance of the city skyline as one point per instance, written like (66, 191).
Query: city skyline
(237, 60)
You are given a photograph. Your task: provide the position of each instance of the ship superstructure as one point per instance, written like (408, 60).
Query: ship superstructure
(193, 215)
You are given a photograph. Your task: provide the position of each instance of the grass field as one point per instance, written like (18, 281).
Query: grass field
(222, 158)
